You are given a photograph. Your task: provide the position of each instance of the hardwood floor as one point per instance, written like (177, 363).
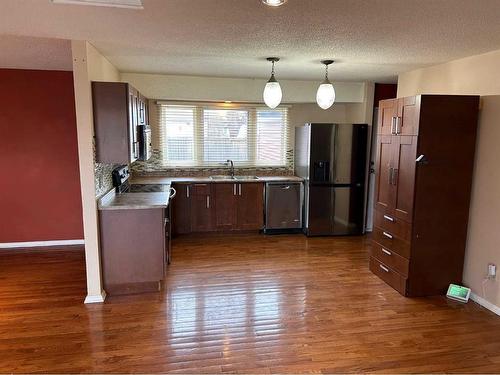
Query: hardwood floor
(238, 303)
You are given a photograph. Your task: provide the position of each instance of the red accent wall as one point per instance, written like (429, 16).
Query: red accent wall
(385, 91)
(40, 182)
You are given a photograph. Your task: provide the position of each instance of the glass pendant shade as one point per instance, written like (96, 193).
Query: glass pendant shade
(272, 93)
(325, 97)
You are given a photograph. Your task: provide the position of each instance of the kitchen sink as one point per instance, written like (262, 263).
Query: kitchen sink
(241, 178)
(221, 177)
(246, 177)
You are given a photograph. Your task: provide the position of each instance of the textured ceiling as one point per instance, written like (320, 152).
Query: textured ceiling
(370, 39)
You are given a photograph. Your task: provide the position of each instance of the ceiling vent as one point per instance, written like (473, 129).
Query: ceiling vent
(130, 4)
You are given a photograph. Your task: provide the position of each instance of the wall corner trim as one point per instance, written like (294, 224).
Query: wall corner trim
(487, 305)
(95, 299)
(12, 245)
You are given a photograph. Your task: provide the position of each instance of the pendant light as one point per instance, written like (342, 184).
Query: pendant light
(274, 3)
(325, 97)
(272, 92)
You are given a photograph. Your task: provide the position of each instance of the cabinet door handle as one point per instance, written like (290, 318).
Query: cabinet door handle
(387, 217)
(286, 187)
(239, 188)
(393, 120)
(234, 189)
(187, 192)
(387, 252)
(398, 127)
(389, 236)
(208, 201)
(390, 175)
(383, 268)
(395, 176)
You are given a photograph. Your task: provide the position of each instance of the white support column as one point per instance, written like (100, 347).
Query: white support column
(85, 130)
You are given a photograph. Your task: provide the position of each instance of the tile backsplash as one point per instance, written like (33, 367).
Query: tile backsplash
(154, 167)
(103, 181)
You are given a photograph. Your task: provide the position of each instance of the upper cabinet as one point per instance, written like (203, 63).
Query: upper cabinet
(118, 110)
(399, 116)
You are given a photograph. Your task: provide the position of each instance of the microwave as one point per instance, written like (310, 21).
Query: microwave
(144, 138)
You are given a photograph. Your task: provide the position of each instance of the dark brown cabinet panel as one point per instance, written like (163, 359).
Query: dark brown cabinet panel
(407, 116)
(181, 210)
(250, 206)
(226, 206)
(384, 186)
(118, 110)
(405, 148)
(202, 208)
(132, 249)
(423, 184)
(388, 110)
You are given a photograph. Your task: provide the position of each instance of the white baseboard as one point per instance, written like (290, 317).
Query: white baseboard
(487, 305)
(99, 298)
(12, 245)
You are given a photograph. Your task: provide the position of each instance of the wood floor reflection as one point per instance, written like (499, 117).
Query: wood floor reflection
(241, 304)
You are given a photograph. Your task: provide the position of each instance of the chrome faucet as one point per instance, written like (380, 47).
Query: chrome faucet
(230, 163)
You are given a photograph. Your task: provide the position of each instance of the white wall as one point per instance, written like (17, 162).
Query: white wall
(479, 75)
(169, 87)
(89, 65)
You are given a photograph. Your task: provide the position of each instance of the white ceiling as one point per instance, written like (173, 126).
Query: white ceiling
(370, 39)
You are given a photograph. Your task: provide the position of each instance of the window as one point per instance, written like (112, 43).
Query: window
(205, 136)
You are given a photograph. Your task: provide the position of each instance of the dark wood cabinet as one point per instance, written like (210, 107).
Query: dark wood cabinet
(181, 210)
(202, 208)
(422, 193)
(250, 207)
(134, 247)
(388, 110)
(218, 206)
(118, 110)
(226, 206)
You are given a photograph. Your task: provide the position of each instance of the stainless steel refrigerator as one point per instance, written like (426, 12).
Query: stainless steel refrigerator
(332, 160)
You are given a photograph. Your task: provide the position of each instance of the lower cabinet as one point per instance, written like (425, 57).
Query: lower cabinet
(202, 208)
(181, 210)
(218, 207)
(250, 206)
(134, 248)
(239, 206)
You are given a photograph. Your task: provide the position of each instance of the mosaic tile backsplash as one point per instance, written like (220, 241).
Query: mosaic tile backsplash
(154, 167)
(103, 181)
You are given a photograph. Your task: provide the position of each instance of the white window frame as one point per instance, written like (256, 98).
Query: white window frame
(198, 129)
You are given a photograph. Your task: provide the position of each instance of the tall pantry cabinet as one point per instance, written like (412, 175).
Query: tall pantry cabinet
(425, 158)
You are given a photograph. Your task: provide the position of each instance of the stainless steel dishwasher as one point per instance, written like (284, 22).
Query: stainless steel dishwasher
(283, 207)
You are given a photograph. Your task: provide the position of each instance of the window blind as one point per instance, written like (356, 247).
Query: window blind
(206, 136)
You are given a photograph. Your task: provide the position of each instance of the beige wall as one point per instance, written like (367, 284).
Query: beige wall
(89, 65)
(479, 75)
(170, 87)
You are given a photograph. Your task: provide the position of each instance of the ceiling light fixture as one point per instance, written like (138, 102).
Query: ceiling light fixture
(325, 97)
(272, 92)
(274, 3)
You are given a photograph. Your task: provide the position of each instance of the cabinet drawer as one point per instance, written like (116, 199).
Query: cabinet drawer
(390, 276)
(391, 242)
(390, 258)
(200, 189)
(392, 224)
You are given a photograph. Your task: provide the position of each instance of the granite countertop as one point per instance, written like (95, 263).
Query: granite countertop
(124, 201)
(169, 180)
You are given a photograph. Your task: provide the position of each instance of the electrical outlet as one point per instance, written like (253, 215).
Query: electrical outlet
(492, 271)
